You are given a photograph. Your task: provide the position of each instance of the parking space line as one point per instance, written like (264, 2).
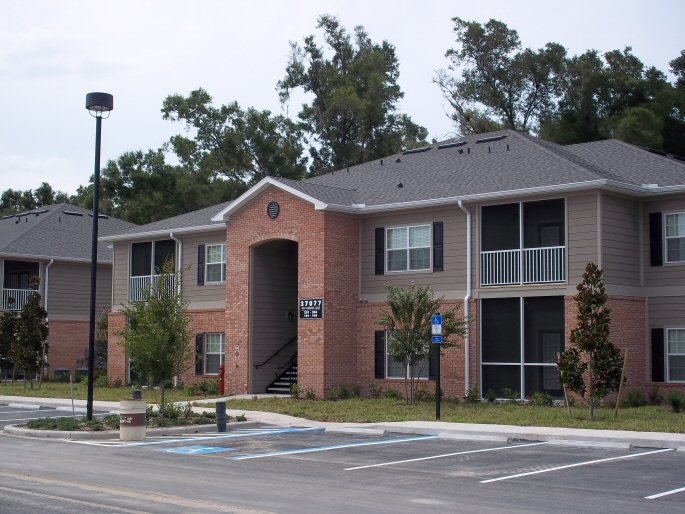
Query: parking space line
(665, 493)
(331, 447)
(466, 452)
(575, 465)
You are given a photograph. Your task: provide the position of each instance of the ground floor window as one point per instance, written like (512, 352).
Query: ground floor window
(387, 367)
(675, 344)
(520, 341)
(209, 353)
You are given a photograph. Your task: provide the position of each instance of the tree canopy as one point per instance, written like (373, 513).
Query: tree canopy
(353, 85)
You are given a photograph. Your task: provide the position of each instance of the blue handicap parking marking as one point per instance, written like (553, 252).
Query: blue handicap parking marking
(196, 450)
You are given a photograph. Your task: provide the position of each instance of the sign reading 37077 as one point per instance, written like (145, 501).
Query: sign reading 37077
(311, 308)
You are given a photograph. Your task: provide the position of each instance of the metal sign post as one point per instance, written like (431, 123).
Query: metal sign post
(436, 338)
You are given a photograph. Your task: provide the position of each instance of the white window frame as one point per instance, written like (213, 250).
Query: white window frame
(667, 237)
(222, 263)
(669, 354)
(408, 248)
(221, 353)
(406, 369)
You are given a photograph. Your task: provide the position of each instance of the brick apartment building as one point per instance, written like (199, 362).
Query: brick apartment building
(501, 224)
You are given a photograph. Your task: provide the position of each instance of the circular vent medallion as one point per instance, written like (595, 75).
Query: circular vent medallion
(273, 209)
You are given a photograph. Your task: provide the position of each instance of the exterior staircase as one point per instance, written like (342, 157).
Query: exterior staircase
(282, 384)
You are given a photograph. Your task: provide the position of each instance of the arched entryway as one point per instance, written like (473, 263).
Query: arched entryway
(273, 313)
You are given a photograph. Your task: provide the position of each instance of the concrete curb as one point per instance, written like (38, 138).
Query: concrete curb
(601, 445)
(114, 434)
(27, 406)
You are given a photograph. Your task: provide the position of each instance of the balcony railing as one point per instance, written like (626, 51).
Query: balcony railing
(527, 266)
(15, 299)
(139, 286)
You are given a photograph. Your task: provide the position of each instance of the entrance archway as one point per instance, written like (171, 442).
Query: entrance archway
(273, 313)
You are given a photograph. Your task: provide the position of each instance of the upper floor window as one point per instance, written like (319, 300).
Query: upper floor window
(675, 237)
(409, 248)
(215, 263)
(675, 346)
(149, 258)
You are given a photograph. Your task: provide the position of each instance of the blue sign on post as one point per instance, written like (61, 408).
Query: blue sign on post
(436, 328)
(436, 339)
(436, 319)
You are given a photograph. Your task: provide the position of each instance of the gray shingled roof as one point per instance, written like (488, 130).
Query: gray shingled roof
(194, 219)
(514, 162)
(60, 231)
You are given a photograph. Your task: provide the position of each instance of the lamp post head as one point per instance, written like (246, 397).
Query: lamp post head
(97, 103)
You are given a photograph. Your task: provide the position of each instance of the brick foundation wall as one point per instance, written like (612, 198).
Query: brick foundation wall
(68, 342)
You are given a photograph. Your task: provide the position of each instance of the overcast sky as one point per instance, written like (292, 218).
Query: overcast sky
(54, 52)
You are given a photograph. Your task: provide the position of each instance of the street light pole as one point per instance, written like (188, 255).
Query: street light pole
(97, 104)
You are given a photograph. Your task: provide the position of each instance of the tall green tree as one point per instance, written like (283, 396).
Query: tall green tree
(230, 143)
(494, 83)
(408, 325)
(352, 82)
(592, 364)
(156, 337)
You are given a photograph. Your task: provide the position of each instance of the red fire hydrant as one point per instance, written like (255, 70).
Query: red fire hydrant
(222, 368)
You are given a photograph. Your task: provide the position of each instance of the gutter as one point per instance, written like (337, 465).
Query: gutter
(154, 233)
(467, 299)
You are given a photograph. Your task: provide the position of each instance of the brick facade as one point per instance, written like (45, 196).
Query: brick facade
(68, 342)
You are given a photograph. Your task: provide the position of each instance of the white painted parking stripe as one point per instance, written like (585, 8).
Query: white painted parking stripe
(665, 493)
(577, 464)
(466, 452)
(331, 447)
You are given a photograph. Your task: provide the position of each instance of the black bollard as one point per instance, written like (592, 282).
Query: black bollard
(221, 417)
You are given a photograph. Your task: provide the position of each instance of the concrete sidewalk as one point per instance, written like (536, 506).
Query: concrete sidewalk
(465, 431)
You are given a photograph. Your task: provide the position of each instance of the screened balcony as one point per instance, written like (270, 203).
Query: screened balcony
(147, 262)
(523, 243)
(17, 285)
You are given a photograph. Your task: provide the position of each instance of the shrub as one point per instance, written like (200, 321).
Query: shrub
(634, 398)
(295, 391)
(511, 395)
(375, 390)
(655, 397)
(541, 399)
(309, 394)
(490, 395)
(424, 395)
(240, 417)
(392, 394)
(676, 400)
(101, 381)
(111, 420)
(337, 393)
(472, 395)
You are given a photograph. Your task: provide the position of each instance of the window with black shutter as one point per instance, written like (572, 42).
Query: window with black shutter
(199, 353)
(380, 251)
(658, 359)
(437, 246)
(379, 354)
(200, 265)
(656, 244)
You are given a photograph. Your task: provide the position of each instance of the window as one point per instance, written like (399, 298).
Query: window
(215, 263)
(396, 369)
(149, 258)
(213, 353)
(675, 237)
(409, 248)
(675, 346)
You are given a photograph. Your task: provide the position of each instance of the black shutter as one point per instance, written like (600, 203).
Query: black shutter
(200, 265)
(199, 354)
(379, 353)
(433, 354)
(658, 344)
(437, 246)
(380, 251)
(656, 239)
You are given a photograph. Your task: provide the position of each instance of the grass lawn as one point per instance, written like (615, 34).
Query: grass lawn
(61, 390)
(652, 418)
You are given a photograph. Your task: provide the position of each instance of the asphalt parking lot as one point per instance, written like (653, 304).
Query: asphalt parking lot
(650, 478)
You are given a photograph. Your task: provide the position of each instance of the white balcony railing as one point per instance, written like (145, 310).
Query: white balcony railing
(527, 266)
(138, 286)
(15, 299)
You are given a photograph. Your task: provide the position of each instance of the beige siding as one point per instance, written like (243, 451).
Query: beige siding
(620, 241)
(667, 311)
(581, 239)
(121, 273)
(668, 274)
(69, 290)
(453, 278)
(208, 295)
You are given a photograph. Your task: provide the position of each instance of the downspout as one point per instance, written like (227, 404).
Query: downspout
(47, 282)
(467, 299)
(179, 259)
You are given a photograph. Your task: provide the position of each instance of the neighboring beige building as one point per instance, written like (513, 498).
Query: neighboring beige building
(53, 243)
(502, 224)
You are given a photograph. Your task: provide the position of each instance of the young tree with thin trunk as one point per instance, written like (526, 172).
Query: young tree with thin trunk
(592, 365)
